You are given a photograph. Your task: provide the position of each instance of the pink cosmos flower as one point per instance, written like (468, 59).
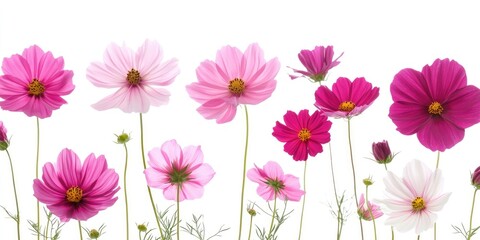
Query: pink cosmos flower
(412, 201)
(172, 167)
(34, 83)
(348, 99)
(234, 78)
(273, 183)
(436, 104)
(71, 190)
(137, 76)
(363, 211)
(303, 134)
(317, 63)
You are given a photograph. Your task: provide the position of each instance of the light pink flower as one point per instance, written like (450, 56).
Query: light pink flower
(136, 74)
(34, 83)
(317, 63)
(412, 201)
(273, 183)
(71, 190)
(172, 167)
(363, 211)
(234, 78)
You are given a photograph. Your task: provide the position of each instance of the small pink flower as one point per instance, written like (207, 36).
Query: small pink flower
(172, 167)
(273, 183)
(138, 76)
(303, 134)
(317, 63)
(234, 78)
(71, 190)
(363, 211)
(34, 83)
(346, 99)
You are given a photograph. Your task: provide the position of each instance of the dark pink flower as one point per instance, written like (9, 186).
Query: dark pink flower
(363, 211)
(34, 83)
(234, 78)
(346, 99)
(172, 167)
(381, 152)
(272, 182)
(476, 178)
(72, 190)
(436, 104)
(303, 134)
(3, 137)
(317, 63)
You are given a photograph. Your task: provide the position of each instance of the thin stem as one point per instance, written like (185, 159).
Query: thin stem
(273, 216)
(80, 229)
(339, 213)
(250, 227)
(125, 188)
(471, 214)
(385, 164)
(244, 173)
(435, 224)
(418, 238)
(148, 187)
(438, 159)
(36, 174)
(393, 234)
(46, 228)
(304, 196)
(370, 212)
(353, 172)
(178, 212)
(15, 193)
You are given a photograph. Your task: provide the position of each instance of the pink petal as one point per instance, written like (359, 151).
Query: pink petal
(463, 107)
(229, 61)
(438, 134)
(273, 170)
(18, 67)
(69, 168)
(101, 75)
(409, 86)
(119, 59)
(92, 169)
(408, 117)
(252, 60)
(218, 109)
(443, 78)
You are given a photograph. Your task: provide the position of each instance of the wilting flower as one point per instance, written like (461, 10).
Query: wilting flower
(136, 74)
(34, 83)
(172, 167)
(436, 104)
(363, 211)
(476, 178)
(72, 190)
(234, 78)
(317, 63)
(303, 134)
(273, 183)
(346, 99)
(381, 152)
(412, 201)
(3, 137)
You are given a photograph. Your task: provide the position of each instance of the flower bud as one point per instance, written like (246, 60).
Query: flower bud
(93, 234)
(122, 138)
(3, 137)
(476, 178)
(368, 181)
(142, 228)
(381, 152)
(252, 212)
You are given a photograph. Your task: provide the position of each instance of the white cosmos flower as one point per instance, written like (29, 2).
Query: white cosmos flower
(412, 202)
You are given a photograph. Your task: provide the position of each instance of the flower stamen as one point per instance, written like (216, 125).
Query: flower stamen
(304, 134)
(133, 77)
(179, 176)
(435, 108)
(74, 194)
(346, 106)
(36, 88)
(236, 86)
(418, 204)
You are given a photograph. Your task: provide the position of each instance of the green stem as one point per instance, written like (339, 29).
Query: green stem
(370, 212)
(273, 216)
(178, 212)
(339, 213)
(353, 172)
(393, 234)
(250, 227)
(125, 189)
(244, 173)
(304, 196)
(418, 238)
(148, 188)
(80, 229)
(471, 215)
(15, 193)
(435, 224)
(438, 159)
(46, 228)
(36, 175)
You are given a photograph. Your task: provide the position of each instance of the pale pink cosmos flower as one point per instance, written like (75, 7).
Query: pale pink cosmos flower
(72, 190)
(363, 211)
(234, 78)
(172, 167)
(34, 83)
(272, 182)
(137, 75)
(317, 63)
(414, 200)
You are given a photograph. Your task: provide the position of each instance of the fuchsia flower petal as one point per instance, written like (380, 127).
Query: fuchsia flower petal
(317, 63)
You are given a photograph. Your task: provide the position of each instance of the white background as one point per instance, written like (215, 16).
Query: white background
(378, 40)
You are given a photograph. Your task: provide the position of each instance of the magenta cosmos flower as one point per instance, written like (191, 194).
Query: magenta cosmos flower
(273, 183)
(346, 99)
(303, 134)
(34, 83)
(72, 190)
(234, 78)
(412, 201)
(363, 211)
(436, 104)
(172, 167)
(317, 63)
(137, 76)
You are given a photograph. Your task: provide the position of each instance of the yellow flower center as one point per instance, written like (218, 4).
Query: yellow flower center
(133, 77)
(74, 194)
(36, 88)
(304, 134)
(236, 86)
(435, 108)
(418, 204)
(346, 106)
